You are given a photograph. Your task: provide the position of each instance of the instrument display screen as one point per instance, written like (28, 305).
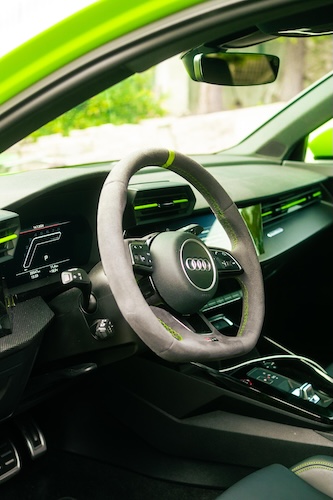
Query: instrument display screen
(45, 249)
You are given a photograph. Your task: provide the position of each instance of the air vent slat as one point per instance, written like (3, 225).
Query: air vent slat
(159, 201)
(283, 206)
(9, 232)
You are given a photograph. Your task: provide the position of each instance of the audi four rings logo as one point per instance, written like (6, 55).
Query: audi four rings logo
(198, 264)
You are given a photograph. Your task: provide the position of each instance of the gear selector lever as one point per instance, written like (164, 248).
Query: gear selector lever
(307, 393)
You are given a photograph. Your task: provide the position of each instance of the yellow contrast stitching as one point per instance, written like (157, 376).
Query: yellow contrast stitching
(173, 332)
(312, 465)
(245, 308)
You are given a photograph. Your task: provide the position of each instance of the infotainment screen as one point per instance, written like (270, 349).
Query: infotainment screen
(214, 235)
(253, 220)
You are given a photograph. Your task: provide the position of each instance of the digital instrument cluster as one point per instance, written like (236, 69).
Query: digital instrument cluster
(44, 249)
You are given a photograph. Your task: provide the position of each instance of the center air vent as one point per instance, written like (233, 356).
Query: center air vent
(9, 232)
(285, 205)
(158, 202)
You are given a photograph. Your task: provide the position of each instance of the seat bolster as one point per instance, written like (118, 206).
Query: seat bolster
(317, 471)
(274, 482)
(329, 369)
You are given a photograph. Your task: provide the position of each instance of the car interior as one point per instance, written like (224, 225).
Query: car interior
(165, 319)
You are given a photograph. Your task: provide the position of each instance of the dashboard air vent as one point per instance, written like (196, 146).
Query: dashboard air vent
(157, 202)
(9, 232)
(273, 210)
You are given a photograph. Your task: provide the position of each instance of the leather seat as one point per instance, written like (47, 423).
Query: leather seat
(329, 369)
(310, 479)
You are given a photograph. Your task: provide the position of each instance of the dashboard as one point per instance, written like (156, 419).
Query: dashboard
(57, 213)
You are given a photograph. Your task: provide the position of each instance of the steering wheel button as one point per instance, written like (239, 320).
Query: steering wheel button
(211, 339)
(141, 257)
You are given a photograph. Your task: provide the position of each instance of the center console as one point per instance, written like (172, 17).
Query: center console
(277, 383)
(290, 382)
(280, 383)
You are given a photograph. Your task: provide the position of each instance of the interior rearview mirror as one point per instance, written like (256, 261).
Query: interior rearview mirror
(211, 65)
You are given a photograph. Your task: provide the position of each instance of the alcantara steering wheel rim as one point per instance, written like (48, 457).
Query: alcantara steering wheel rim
(157, 327)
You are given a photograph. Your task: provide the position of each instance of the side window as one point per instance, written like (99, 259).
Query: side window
(320, 143)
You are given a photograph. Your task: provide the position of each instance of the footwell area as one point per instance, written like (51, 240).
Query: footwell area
(90, 456)
(60, 475)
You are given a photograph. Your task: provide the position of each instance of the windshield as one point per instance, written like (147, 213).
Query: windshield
(162, 107)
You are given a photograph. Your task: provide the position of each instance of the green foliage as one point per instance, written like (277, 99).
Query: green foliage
(130, 101)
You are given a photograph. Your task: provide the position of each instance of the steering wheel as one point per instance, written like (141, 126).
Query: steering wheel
(182, 272)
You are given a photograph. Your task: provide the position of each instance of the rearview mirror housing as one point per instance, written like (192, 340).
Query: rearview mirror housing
(212, 65)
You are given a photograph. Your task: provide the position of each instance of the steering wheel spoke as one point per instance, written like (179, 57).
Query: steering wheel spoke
(227, 266)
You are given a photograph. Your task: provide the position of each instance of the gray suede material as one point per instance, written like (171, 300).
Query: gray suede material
(156, 327)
